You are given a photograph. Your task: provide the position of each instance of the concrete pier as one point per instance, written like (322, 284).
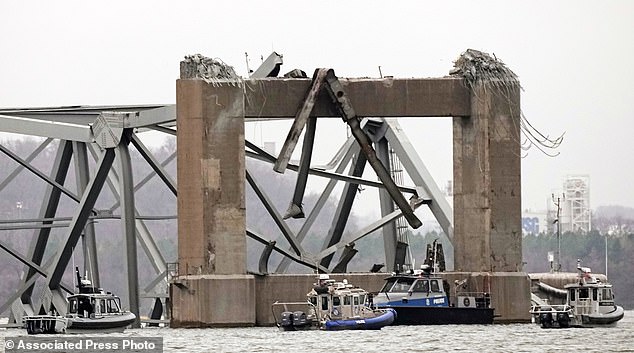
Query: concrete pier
(211, 209)
(212, 288)
(487, 182)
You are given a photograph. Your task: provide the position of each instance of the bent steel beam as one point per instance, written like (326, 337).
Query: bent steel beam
(348, 253)
(344, 106)
(264, 156)
(296, 210)
(300, 121)
(299, 259)
(350, 148)
(263, 264)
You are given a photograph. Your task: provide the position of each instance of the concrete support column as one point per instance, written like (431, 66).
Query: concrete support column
(211, 176)
(487, 181)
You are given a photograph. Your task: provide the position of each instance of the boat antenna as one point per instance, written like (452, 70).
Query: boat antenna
(73, 257)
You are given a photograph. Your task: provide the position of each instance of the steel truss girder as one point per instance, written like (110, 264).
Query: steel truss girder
(262, 155)
(79, 220)
(145, 237)
(146, 179)
(128, 222)
(48, 209)
(419, 174)
(364, 231)
(156, 166)
(28, 159)
(44, 128)
(24, 287)
(37, 172)
(350, 148)
(303, 260)
(277, 218)
(32, 265)
(387, 206)
(89, 244)
(344, 207)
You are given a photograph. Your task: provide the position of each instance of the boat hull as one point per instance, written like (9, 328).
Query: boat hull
(115, 323)
(375, 323)
(603, 320)
(442, 315)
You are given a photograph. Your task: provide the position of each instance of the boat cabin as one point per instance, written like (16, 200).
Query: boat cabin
(590, 296)
(338, 299)
(411, 289)
(83, 305)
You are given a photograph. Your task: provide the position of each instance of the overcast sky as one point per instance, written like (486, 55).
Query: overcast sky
(573, 58)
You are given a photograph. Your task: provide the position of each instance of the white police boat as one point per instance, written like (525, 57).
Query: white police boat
(332, 306)
(589, 303)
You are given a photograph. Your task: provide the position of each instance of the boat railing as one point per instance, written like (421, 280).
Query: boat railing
(535, 309)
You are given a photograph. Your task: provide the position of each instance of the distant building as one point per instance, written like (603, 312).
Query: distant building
(575, 214)
(534, 222)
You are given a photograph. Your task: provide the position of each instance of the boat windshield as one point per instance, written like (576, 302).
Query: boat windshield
(401, 285)
(113, 305)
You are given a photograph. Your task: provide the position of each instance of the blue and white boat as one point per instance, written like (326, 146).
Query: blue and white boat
(332, 306)
(420, 297)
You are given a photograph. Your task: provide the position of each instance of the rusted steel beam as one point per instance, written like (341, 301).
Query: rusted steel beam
(388, 97)
(342, 101)
(300, 121)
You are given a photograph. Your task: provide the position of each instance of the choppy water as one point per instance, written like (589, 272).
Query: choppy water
(447, 338)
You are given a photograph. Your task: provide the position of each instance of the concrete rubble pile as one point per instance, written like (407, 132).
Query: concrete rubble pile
(208, 69)
(474, 66)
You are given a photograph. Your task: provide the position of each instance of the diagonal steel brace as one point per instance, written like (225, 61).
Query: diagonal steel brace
(343, 105)
(300, 121)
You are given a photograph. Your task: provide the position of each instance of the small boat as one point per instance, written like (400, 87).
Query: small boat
(589, 303)
(420, 297)
(90, 310)
(332, 306)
